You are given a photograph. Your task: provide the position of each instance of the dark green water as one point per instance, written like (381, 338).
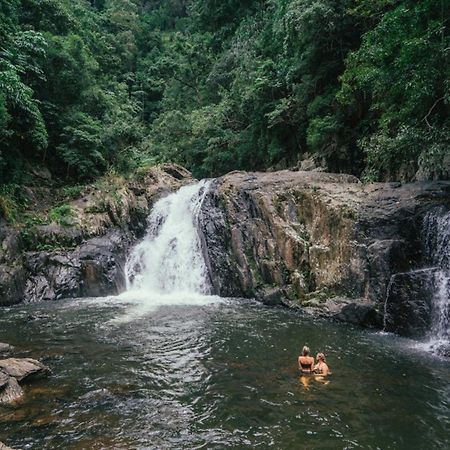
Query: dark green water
(221, 375)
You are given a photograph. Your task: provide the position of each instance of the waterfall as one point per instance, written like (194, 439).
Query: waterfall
(169, 260)
(436, 228)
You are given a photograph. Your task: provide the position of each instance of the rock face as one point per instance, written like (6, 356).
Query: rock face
(85, 256)
(319, 241)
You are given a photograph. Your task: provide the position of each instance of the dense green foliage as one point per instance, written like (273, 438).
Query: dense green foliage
(362, 86)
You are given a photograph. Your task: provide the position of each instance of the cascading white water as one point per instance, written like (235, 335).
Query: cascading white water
(436, 230)
(167, 266)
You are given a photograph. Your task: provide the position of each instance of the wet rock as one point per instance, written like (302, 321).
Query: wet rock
(312, 232)
(363, 314)
(409, 302)
(3, 380)
(270, 296)
(23, 369)
(5, 348)
(10, 392)
(12, 284)
(102, 262)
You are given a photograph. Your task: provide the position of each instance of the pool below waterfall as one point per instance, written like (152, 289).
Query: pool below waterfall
(216, 373)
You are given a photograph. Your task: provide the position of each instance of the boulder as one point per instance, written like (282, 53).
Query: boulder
(10, 392)
(363, 314)
(270, 296)
(23, 369)
(5, 348)
(3, 380)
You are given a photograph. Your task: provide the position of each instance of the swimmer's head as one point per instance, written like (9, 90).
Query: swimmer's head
(305, 350)
(320, 357)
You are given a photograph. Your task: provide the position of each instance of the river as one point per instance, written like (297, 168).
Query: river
(216, 374)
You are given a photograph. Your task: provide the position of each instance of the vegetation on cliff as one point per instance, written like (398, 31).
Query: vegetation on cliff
(89, 86)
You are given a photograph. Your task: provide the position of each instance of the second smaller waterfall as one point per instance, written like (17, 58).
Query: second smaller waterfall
(169, 260)
(437, 245)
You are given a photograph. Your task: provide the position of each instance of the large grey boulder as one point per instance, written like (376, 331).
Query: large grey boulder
(23, 369)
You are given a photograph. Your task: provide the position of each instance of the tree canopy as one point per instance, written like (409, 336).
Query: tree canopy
(360, 86)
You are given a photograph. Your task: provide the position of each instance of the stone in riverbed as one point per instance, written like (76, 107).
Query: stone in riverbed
(3, 380)
(10, 392)
(4, 447)
(363, 314)
(23, 368)
(270, 296)
(5, 348)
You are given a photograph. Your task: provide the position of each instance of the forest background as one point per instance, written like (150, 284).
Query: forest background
(355, 86)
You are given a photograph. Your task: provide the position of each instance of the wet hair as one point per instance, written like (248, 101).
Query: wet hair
(305, 350)
(321, 356)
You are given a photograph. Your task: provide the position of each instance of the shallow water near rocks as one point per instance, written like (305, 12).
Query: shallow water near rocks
(216, 374)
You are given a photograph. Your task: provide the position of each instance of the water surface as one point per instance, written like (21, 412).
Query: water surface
(216, 374)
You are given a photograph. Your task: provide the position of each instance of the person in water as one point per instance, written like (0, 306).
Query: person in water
(321, 367)
(305, 361)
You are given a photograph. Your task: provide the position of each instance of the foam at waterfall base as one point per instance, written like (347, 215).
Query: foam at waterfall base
(439, 347)
(139, 303)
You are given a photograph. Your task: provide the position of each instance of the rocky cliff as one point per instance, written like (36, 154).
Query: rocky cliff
(79, 248)
(323, 242)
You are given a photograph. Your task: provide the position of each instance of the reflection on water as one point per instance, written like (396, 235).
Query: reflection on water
(216, 375)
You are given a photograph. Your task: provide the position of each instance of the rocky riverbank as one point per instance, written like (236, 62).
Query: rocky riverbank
(322, 242)
(78, 247)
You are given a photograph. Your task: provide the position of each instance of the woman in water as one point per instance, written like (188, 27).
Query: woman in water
(321, 367)
(305, 362)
